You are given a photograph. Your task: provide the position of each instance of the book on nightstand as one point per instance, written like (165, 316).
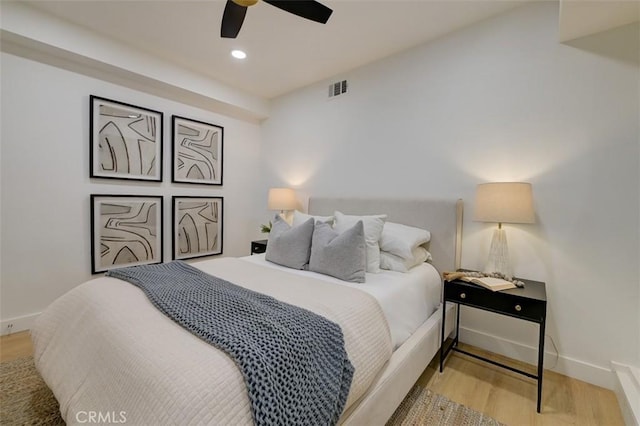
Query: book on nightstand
(493, 284)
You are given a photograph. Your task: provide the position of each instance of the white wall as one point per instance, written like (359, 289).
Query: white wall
(501, 100)
(28, 32)
(45, 180)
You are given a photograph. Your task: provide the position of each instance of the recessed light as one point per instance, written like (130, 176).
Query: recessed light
(238, 54)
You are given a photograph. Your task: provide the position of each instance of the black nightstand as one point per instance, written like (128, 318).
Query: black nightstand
(528, 303)
(259, 246)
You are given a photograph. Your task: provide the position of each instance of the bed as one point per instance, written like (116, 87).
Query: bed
(104, 348)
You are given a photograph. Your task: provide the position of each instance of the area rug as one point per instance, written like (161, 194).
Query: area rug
(26, 400)
(24, 397)
(424, 407)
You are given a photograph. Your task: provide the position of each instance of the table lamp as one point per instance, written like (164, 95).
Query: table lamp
(503, 202)
(283, 199)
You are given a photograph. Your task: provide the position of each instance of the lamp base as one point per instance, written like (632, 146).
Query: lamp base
(499, 255)
(287, 216)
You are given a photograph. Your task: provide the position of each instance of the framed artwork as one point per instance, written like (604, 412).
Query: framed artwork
(197, 151)
(126, 230)
(126, 141)
(197, 226)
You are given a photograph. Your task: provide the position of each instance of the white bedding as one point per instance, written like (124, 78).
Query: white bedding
(407, 299)
(103, 347)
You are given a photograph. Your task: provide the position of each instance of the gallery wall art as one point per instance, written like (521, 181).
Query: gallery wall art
(197, 226)
(197, 151)
(126, 230)
(125, 141)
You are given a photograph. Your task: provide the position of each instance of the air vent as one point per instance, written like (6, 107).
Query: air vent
(337, 88)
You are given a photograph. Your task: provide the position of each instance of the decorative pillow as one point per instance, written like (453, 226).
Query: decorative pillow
(373, 225)
(396, 263)
(401, 239)
(299, 218)
(290, 246)
(340, 255)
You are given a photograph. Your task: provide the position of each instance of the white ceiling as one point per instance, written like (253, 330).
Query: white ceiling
(285, 52)
(583, 17)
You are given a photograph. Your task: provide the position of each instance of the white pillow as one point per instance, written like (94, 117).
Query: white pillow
(395, 263)
(401, 239)
(373, 225)
(299, 218)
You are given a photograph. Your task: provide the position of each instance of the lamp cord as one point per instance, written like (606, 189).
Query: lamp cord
(555, 348)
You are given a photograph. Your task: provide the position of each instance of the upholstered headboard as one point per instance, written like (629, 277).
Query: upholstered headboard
(443, 218)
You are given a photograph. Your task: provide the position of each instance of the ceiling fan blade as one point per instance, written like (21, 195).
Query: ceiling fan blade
(232, 19)
(309, 9)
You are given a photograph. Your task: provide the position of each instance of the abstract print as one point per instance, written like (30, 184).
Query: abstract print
(126, 231)
(129, 141)
(197, 150)
(197, 226)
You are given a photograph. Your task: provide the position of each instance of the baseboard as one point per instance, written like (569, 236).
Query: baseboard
(581, 370)
(627, 391)
(14, 325)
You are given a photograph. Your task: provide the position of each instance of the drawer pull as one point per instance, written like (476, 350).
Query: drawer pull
(518, 308)
(463, 295)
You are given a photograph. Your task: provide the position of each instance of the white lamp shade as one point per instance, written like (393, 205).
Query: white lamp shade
(281, 199)
(504, 202)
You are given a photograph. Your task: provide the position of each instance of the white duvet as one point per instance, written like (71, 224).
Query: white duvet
(407, 298)
(104, 349)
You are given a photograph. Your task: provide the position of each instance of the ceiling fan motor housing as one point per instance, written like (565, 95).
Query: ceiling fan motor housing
(245, 3)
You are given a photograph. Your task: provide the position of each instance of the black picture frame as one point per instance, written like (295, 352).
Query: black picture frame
(126, 141)
(126, 230)
(197, 151)
(197, 226)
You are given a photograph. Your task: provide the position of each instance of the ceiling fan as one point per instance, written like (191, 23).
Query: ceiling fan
(235, 11)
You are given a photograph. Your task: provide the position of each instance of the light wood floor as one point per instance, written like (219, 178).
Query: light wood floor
(511, 398)
(16, 345)
(501, 394)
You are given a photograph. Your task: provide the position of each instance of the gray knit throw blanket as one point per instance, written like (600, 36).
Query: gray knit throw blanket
(294, 363)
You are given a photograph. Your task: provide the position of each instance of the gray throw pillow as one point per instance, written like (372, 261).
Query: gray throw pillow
(341, 255)
(290, 247)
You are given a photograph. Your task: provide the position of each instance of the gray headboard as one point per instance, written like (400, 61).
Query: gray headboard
(443, 218)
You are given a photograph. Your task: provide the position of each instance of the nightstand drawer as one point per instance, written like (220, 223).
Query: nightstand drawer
(499, 302)
(258, 247)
